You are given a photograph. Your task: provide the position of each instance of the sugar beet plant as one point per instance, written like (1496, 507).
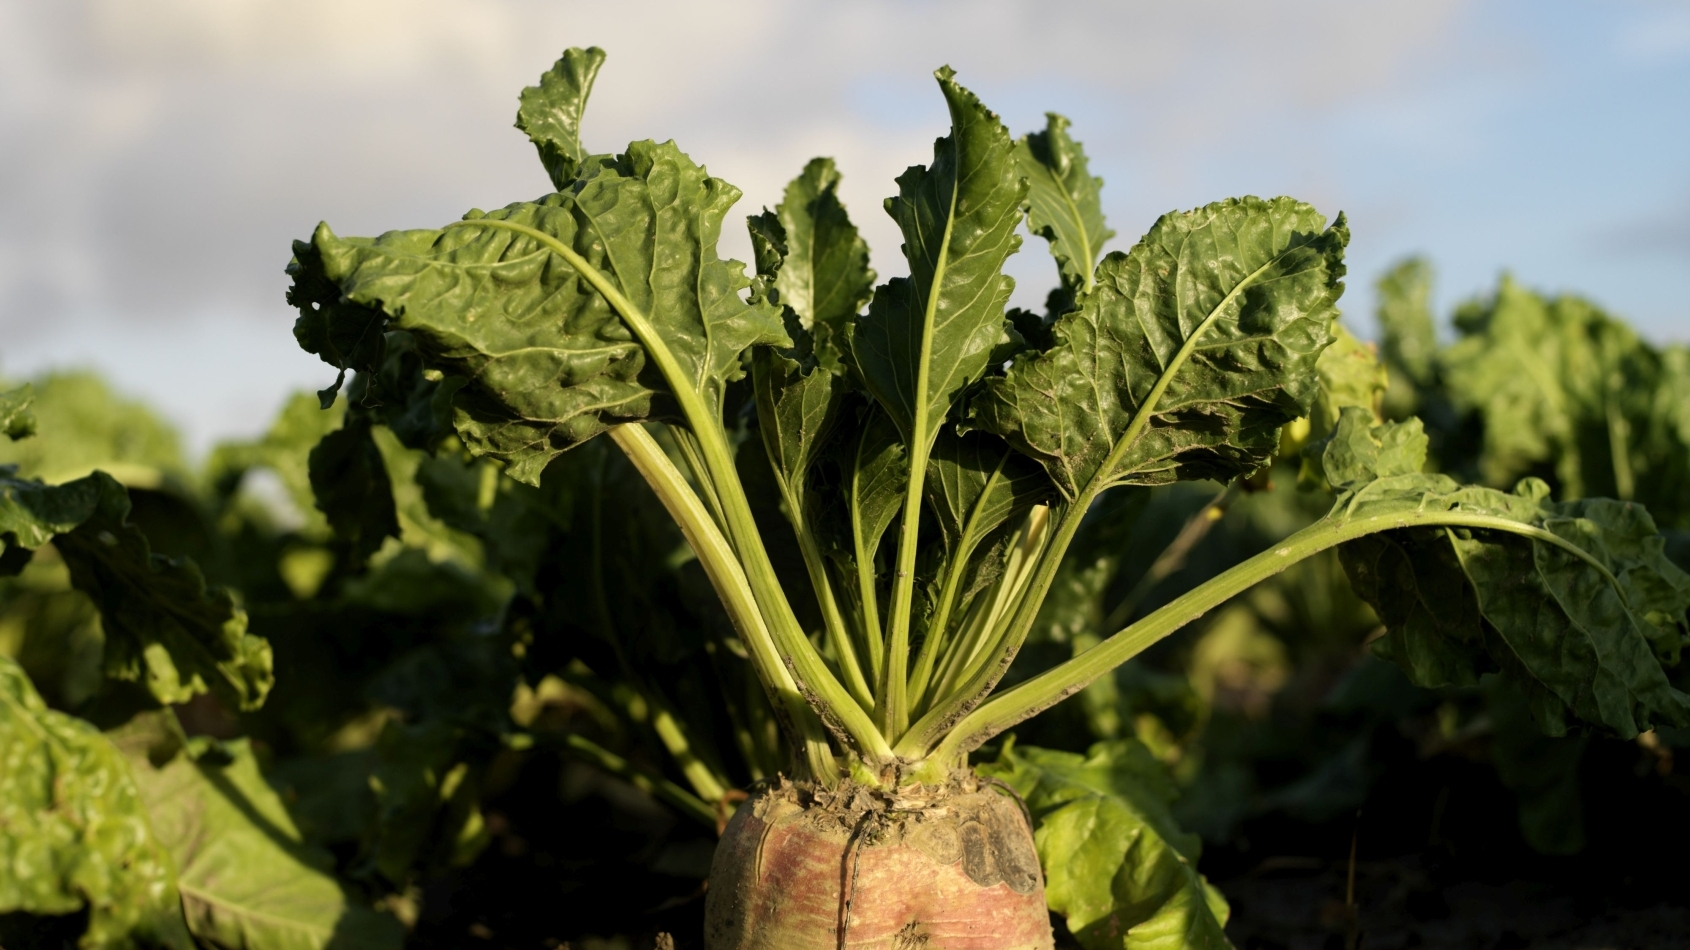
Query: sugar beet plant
(933, 454)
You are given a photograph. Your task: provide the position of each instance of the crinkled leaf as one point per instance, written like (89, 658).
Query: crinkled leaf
(547, 362)
(1358, 451)
(928, 336)
(1228, 307)
(246, 877)
(1582, 626)
(1063, 202)
(15, 418)
(163, 626)
(550, 114)
(1116, 864)
(74, 831)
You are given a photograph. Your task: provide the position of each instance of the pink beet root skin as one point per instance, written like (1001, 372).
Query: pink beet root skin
(955, 872)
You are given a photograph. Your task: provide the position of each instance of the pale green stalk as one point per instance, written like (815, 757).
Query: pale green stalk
(1048, 688)
(815, 681)
(894, 697)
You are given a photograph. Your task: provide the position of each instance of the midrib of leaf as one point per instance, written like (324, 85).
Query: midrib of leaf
(1555, 539)
(1088, 269)
(824, 688)
(893, 708)
(206, 897)
(874, 641)
(1141, 418)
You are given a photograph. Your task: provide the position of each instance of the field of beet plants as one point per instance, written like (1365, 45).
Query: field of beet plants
(615, 595)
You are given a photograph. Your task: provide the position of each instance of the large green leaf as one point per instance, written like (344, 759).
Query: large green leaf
(163, 626)
(550, 114)
(929, 335)
(246, 877)
(1193, 350)
(823, 272)
(1063, 204)
(74, 831)
(549, 361)
(1575, 601)
(1116, 864)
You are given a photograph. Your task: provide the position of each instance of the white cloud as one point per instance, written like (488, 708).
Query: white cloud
(157, 157)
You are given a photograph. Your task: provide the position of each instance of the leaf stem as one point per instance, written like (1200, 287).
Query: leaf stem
(816, 683)
(728, 578)
(1048, 688)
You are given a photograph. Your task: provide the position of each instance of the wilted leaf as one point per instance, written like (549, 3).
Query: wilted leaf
(1214, 321)
(1116, 864)
(352, 488)
(73, 829)
(1581, 614)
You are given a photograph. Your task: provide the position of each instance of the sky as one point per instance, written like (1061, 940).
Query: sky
(157, 159)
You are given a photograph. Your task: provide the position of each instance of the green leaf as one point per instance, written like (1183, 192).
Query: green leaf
(1542, 771)
(1350, 375)
(1575, 601)
(352, 487)
(1409, 341)
(1063, 202)
(550, 114)
(83, 425)
(163, 626)
(979, 486)
(548, 361)
(15, 418)
(823, 274)
(1559, 386)
(247, 879)
(1116, 864)
(1183, 363)
(73, 829)
(796, 412)
(928, 336)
